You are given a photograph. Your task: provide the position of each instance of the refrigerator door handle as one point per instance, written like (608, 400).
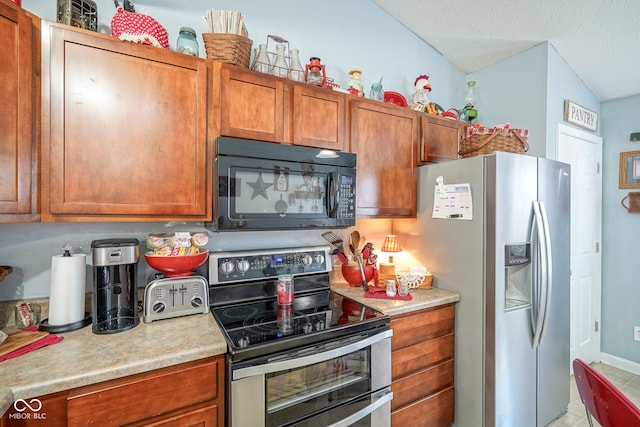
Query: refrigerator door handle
(548, 265)
(538, 285)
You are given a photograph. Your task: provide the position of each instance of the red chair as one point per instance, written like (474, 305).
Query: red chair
(602, 400)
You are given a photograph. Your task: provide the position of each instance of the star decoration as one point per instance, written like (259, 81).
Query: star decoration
(259, 187)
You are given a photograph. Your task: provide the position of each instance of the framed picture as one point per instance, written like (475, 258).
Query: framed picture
(630, 169)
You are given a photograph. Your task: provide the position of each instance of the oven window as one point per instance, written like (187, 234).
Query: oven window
(298, 393)
(280, 190)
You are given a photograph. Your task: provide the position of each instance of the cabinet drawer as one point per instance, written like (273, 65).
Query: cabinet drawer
(143, 396)
(421, 384)
(205, 415)
(434, 411)
(420, 356)
(422, 327)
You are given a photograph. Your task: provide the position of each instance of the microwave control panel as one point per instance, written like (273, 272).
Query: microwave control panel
(347, 194)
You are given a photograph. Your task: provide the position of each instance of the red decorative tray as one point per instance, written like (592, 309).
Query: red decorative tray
(395, 98)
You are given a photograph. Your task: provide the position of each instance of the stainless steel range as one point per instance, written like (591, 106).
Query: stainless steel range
(324, 360)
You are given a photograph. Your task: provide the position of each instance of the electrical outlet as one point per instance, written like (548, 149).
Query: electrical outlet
(636, 333)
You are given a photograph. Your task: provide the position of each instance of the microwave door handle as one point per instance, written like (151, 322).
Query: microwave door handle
(332, 193)
(368, 410)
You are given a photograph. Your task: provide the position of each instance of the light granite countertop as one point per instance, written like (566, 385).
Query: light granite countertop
(84, 358)
(421, 299)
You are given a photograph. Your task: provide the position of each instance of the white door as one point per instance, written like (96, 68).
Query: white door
(583, 151)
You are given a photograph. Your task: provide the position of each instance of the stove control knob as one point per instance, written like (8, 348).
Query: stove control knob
(307, 259)
(319, 325)
(158, 307)
(227, 267)
(243, 266)
(196, 302)
(307, 327)
(243, 341)
(318, 259)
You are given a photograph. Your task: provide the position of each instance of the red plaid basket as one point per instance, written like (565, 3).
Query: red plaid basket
(481, 140)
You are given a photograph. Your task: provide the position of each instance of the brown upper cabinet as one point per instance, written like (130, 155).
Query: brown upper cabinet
(318, 118)
(248, 104)
(253, 105)
(440, 138)
(124, 130)
(385, 138)
(19, 115)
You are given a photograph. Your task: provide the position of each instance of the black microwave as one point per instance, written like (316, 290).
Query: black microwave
(268, 186)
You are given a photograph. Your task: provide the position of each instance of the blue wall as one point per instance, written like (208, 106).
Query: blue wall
(621, 234)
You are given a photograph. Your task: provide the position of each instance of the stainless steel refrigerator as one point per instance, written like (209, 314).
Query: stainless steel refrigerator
(502, 243)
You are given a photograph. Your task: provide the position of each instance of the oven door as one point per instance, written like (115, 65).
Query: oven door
(340, 383)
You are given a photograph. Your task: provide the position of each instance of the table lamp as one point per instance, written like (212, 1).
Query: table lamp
(391, 246)
(388, 270)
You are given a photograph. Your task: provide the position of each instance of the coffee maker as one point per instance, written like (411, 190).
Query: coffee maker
(115, 296)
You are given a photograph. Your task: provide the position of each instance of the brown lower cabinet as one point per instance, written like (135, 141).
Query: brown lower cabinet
(422, 363)
(187, 394)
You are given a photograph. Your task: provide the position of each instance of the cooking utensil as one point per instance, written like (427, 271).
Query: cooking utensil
(354, 241)
(341, 256)
(336, 241)
(333, 238)
(365, 286)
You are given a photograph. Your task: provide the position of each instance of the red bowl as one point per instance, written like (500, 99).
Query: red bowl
(173, 266)
(351, 274)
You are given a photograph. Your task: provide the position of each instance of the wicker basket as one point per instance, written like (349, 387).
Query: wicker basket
(486, 141)
(230, 48)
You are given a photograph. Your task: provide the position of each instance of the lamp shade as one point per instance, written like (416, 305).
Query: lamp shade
(391, 244)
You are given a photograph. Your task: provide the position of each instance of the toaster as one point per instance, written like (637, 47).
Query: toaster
(175, 297)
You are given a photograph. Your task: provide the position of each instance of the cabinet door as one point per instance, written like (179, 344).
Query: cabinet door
(124, 130)
(18, 113)
(385, 138)
(319, 118)
(251, 104)
(440, 139)
(187, 390)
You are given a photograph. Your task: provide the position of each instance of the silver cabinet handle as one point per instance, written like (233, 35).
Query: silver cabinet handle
(364, 411)
(294, 360)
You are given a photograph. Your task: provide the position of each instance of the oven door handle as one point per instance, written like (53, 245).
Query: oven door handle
(295, 360)
(381, 399)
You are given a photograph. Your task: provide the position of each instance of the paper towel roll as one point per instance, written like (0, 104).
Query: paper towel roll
(66, 297)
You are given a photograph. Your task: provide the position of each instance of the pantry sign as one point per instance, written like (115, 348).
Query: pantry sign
(580, 116)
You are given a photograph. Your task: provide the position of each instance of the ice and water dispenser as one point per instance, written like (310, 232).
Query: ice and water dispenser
(115, 298)
(518, 275)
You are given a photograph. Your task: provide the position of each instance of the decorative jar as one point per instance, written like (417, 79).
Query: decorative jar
(187, 42)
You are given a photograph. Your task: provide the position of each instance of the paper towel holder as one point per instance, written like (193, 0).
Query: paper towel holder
(72, 326)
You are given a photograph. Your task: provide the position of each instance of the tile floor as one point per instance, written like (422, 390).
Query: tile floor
(627, 382)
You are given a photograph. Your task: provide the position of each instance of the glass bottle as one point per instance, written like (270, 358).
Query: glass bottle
(376, 92)
(296, 72)
(262, 63)
(471, 113)
(280, 67)
(187, 42)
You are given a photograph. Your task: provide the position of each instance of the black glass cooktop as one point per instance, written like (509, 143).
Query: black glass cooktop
(264, 327)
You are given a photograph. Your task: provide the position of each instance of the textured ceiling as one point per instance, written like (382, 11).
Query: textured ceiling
(599, 39)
